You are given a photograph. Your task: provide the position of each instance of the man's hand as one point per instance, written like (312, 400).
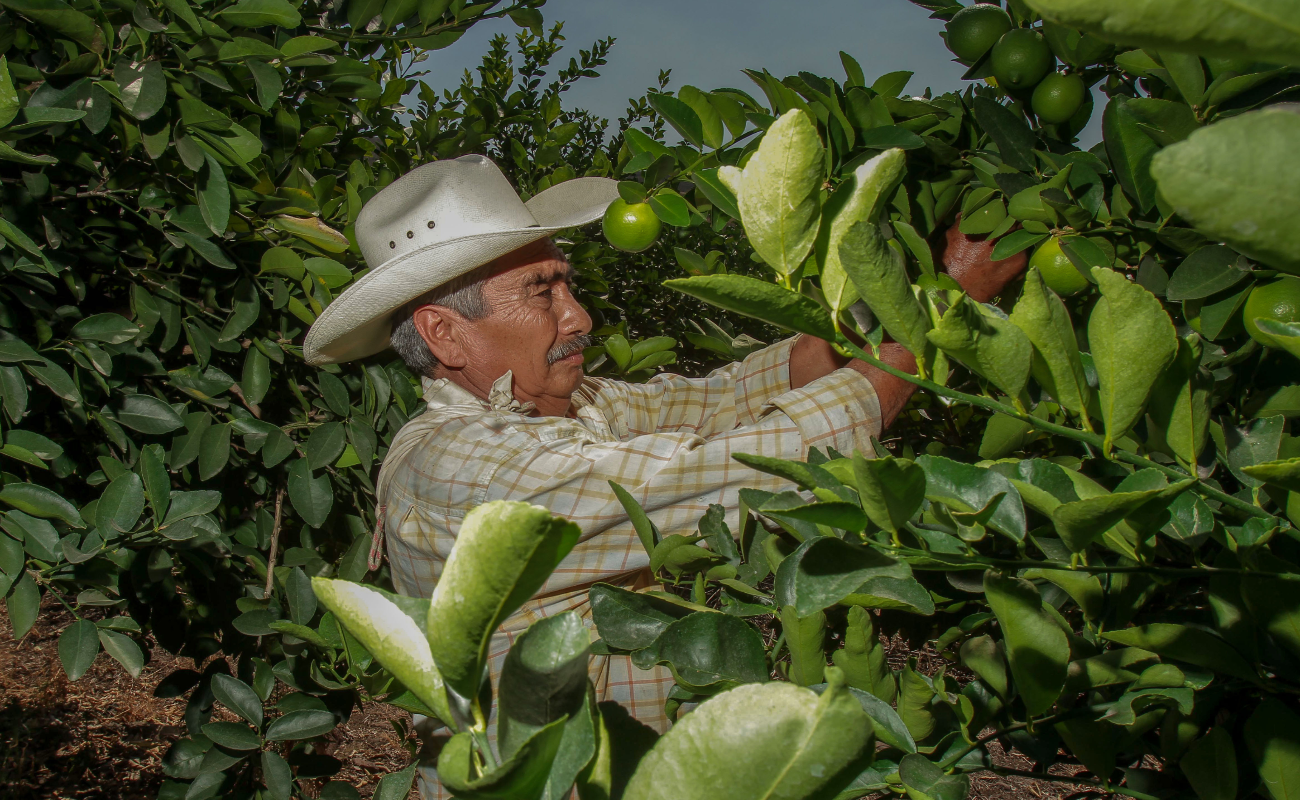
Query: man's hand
(966, 259)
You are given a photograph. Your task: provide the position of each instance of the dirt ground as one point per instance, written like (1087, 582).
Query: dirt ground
(103, 737)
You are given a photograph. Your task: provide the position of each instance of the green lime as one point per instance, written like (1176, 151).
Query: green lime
(1021, 58)
(1278, 300)
(631, 227)
(974, 29)
(1059, 273)
(1057, 97)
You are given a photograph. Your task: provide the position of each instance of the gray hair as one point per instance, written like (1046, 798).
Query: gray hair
(463, 294)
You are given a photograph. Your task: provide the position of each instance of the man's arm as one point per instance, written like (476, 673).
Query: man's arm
(967, 261)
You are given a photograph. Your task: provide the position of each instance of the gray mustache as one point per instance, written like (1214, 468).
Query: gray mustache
(575, 345)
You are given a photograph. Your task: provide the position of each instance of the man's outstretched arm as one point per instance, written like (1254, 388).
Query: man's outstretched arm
(967, 261)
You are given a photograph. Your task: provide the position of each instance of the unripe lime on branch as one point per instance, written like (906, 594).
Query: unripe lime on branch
(973, 30)
(631, 227)
(1058, 272)
(1277, 300)
(1020, 59)
(1057, 97)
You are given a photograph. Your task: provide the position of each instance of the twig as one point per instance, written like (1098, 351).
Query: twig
(275, 541)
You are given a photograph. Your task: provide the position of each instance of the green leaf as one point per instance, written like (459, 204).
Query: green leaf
(915, 694)
(1232, 181)
(708, 652)
(141, 87)
(981, 655)
(968, 488)
(208, 251)
(302, 601)
(1253, 29)
(394, 785)
(1036, 646)
(238, 696)
(8, 95)
(763, 740)
(1211, 765)
(324, 444)
(312, 497)
(710, 120)
(1131, 150)
(925, 780)
(1056, 364)
(880, 275)
(1132, 341)
(40, 502)
(1209, 270)
(268, 81)
(866, 668)
(707, 181)
(124, 650)
(891, 489)
(23, 605)
(1183, 643)
(121, 504)
(390, 634)
(671, 208)
(259, 13)
(804, 640)
(761, 300)
(214, 450)
(78, 646)
(1284, 473)
(303, 724)
(1009, 131)
(62, 19)
(282, 261)
(858, 200)
(630, 620)
(1272, 736)
(824, 571)
(1081, 522)
(544, 679)
(504, 552)
(214, 195)
(987, 343)
(108, 328)
(1015, 242)
(779, 192)
(147, 414)
(1180, 404)
(680, 115)
(523, 775)
(233, 735)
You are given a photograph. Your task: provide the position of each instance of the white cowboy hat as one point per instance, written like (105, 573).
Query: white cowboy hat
(431, 225)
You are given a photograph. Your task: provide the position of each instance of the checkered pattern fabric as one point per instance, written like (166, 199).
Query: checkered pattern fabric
(669, 442)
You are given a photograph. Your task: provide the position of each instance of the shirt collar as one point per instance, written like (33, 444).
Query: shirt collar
(442, 392)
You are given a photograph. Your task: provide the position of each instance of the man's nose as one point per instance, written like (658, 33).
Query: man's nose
(574, 319)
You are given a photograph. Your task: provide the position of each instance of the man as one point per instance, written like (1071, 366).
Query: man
(474, 296)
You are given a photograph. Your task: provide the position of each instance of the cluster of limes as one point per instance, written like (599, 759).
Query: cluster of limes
(1020, 59)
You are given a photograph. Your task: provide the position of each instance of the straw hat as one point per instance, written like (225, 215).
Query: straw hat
(434, 224)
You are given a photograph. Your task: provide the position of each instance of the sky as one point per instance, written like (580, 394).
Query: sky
(707, 43)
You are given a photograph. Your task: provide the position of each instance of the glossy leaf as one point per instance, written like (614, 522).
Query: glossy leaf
(1056, 364)
(1036, 647)
(825, 570)
(1184, 643)
(1272, 737)
(544, 679)
(708, 652)
(759, 299)
(78, 646)
(1133, 341)
(858, 200)
(504, 553)
(755, 741)
(987, 343)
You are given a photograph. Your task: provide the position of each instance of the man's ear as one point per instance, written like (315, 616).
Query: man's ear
(441, 332)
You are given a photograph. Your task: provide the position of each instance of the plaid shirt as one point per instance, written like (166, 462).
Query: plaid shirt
(669, 442)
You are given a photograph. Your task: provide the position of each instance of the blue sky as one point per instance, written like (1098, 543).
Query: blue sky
(707, 42)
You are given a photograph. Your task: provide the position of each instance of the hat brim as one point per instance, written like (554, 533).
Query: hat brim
(358, 322)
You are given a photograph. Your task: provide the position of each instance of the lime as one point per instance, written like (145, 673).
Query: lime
(1057, 97)
(1021, 58)
(1059, 273)
(1278, 300)
(631, 227)
(974, 29)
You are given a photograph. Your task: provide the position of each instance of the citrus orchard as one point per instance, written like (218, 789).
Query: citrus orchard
(1058, 272)
(1057, 97)
(631, 227)
(1276, 300)
(1020, 59)
(974, 29)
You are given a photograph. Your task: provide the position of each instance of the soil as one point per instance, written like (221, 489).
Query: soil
(103, 736)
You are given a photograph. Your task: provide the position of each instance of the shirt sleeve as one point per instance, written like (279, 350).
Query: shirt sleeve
(731, 396)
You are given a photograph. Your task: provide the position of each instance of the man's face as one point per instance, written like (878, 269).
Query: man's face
(535, 328)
